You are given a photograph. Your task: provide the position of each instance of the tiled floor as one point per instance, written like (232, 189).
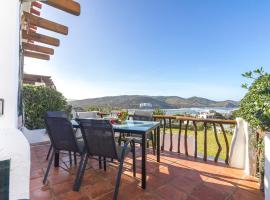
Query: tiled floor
(176, 177)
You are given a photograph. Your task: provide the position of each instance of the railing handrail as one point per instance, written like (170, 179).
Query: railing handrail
(185, 118)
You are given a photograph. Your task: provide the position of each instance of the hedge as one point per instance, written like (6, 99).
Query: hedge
(37, 100)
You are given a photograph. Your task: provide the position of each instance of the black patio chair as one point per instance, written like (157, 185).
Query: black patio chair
(140, 115)
(99, 141)
(64, 115)
(62, 137)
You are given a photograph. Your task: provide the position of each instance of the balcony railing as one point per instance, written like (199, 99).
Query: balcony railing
(183, 124)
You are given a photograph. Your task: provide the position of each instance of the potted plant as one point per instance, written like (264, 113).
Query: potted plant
(122, 116)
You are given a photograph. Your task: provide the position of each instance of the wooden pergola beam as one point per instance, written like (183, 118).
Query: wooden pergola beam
(37, 48)
(36, 55)
(36, 4)
(34, 11)
(69, 6)
(40, 38)
(46, 24)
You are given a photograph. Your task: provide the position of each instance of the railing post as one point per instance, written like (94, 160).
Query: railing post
(196, 139)
(205, 142)
(186, 131)
(226, 142)
(171, 140)
(179, 136)
(219, 146)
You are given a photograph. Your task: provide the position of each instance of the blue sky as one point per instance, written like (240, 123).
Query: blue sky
(158, 47)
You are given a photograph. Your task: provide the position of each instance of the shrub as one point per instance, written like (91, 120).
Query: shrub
(158, 111)
(37, 100)
(255, 109)
(255, 106)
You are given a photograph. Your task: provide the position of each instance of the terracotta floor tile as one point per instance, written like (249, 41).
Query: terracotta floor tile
(72, 196)
(40, 194)
(207, 193)
(170, 193)
(97, 189)
(185, 184)
(246, 195)
(175, 177)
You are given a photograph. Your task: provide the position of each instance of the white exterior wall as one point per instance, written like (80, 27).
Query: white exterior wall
(9, 62)
(13, 144)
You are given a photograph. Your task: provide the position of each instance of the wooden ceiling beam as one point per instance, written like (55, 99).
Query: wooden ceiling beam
(69, 6)
(32, 27)
(40, 38)
(36, 55)
(36, 4)
(37, 48)
(34, 11)
(46, 24)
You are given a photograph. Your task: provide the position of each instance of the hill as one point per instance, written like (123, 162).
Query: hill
(164, 102)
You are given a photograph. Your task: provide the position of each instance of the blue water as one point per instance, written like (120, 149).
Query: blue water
(193, 111)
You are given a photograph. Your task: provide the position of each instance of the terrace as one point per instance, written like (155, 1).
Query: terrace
(175, 177)
(187, 169)
(180, 175)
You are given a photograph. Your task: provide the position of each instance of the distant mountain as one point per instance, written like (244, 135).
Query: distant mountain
(164, 102)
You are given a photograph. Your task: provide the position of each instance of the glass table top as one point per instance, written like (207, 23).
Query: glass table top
(131, 126)
(137, 126)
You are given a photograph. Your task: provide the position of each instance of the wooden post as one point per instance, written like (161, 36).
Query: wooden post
(196, 139)
(179, 136)
(227, 144)
(205, 142)
(217, 140)
(186, 145)
(171, 140)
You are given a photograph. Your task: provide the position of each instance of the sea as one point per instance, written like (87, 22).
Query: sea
(193, 111)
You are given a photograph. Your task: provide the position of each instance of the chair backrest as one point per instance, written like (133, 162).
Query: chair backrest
(60, 131)
(92, 115)
(142, 115)
(98, 136)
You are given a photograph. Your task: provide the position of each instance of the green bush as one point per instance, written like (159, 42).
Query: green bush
(255, 109)
(37, 100)
(255, 106)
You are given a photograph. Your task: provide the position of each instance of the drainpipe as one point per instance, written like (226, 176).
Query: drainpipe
(13, 144)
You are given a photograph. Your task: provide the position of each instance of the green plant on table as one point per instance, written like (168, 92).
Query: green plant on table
(122, 116)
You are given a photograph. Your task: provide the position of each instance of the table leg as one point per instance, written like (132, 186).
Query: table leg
(56, 159)
(143, 161)
(158, 144)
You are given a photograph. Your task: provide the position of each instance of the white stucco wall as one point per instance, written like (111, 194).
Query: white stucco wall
(9, 62)
(13, 144)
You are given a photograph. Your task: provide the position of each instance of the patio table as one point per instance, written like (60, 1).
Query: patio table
(142, 128)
